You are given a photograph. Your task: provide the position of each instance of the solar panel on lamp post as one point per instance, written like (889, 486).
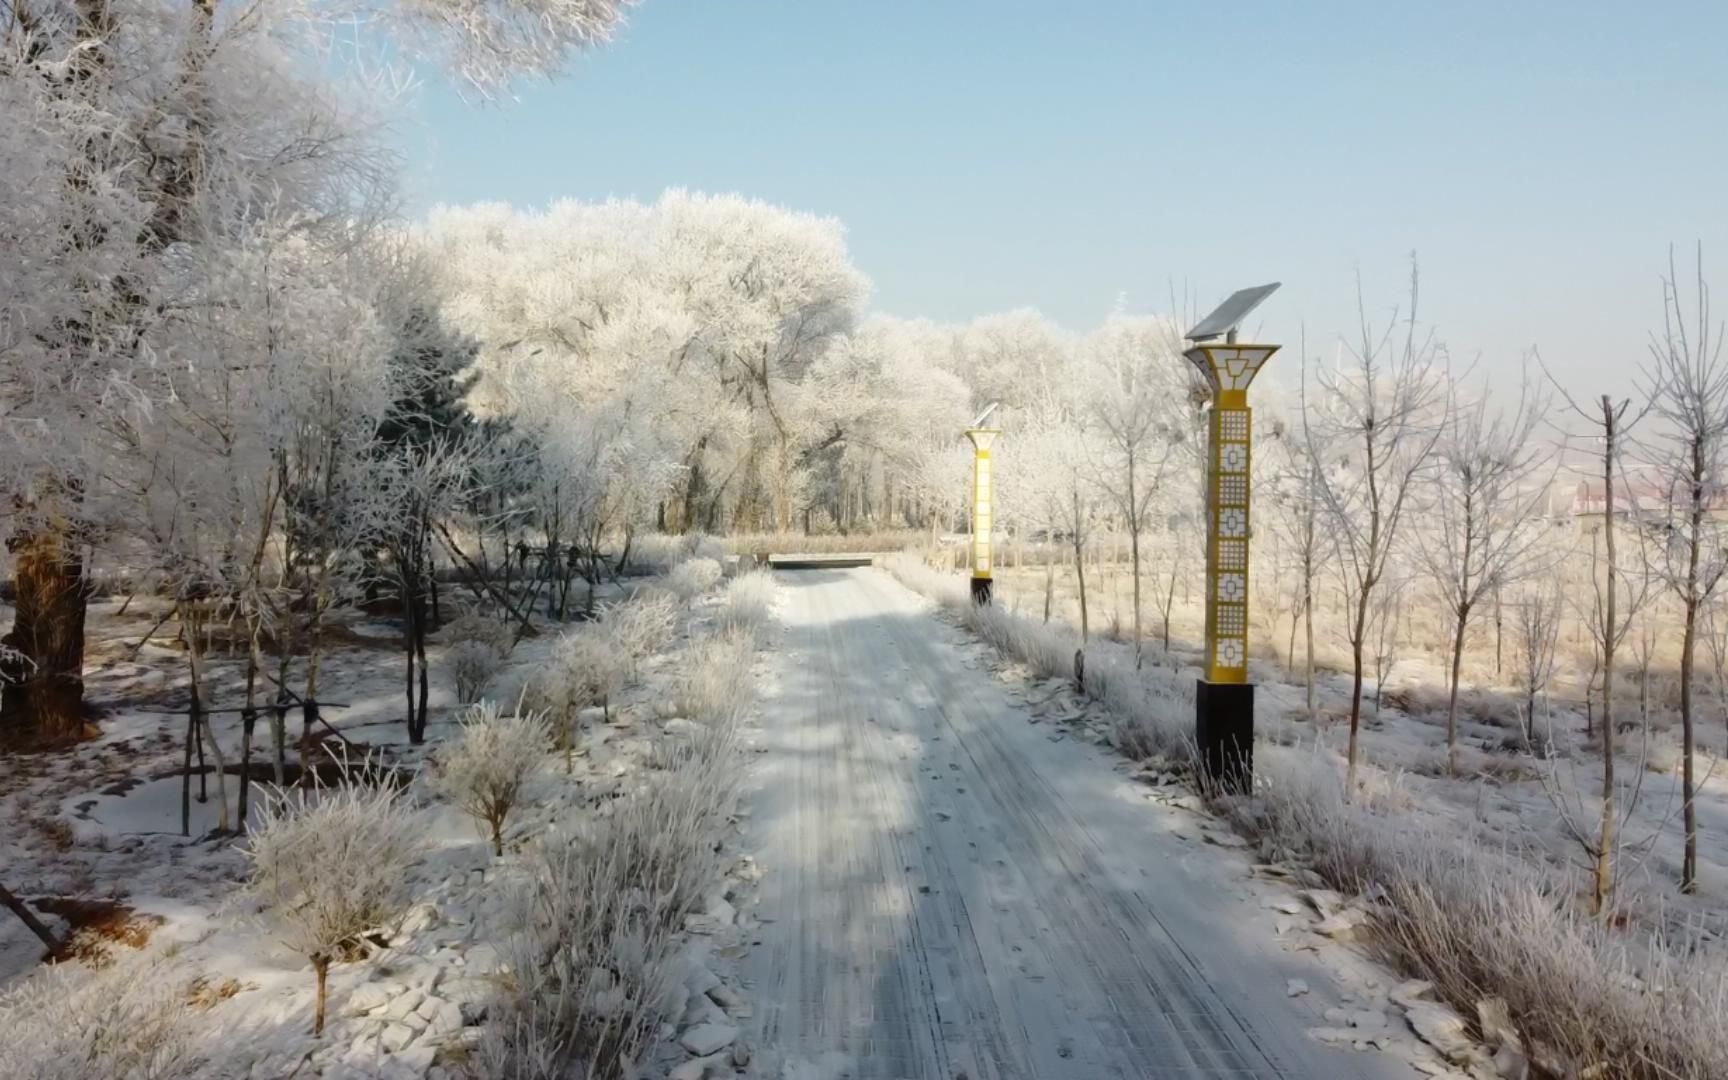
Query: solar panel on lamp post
(1224, 698)
(982, 438)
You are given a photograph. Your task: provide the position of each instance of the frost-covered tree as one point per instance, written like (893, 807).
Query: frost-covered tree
(1138, 400)
(1375, 413)
(144, 141)
(1687, 384)
(1061, 495)
(1293, 490)
(1483, 525)
(697, 323)
(1620, 587)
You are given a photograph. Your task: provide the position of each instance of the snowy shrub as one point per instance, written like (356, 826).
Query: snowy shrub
(706, 547)
(485, 768)
(713, 684)
(1482, 922)
(642, 625)
(748, 602)
(482, 629)
(330, 865)
(656, 553)
(129, 1020)
(591, 965)
(693, 577)
(473, 665)
(585, 669)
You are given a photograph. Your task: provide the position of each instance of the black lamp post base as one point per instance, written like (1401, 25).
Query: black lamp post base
(1224, 734)
(980, 590)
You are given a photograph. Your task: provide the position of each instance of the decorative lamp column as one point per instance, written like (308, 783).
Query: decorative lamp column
(982, 438)
(1224, 698)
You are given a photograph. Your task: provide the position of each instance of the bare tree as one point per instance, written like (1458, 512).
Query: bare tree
(1485, 525)
(1387, 618)
(1295, 519)
(1377, 409)
(1687, 385)
(1169, 565)
(1537, 621)
(1138, 380)
(1616, 594)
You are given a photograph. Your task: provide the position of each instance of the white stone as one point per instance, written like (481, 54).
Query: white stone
(725, 997)
(701, 980)
(405, 1003)
(1442, 1029)
(370, 996)
(1295, 987)
(702, 1011)
(1325, 901)
(417, 1058)
(705, 1039)
(1341, 923)
(395, 1037)
(448, 1018)
(696, 1068)
(420, 917)
(1409, 994)
(721, 911)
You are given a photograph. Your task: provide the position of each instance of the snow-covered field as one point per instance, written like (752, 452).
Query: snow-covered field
(1502, 790)
(94, 843)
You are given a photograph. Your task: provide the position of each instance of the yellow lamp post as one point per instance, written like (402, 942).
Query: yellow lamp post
(1224, 698)
(981, 438)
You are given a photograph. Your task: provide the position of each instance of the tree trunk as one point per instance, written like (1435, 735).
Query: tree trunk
(1688, 647)
(46, 706)
(1603, 878)
(22, 910)
(1308, 649)
(1356, 642)
(1080, 569)
(1689, 811)
(1134, 552)
(321, 966)
(1461, 616)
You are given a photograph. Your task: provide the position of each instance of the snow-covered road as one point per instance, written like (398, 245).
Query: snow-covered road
(951, 894)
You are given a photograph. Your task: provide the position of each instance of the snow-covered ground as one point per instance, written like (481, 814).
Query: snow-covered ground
(95, 841)
(1502, 792)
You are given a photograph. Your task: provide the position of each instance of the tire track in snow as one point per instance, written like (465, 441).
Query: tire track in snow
(948, 894)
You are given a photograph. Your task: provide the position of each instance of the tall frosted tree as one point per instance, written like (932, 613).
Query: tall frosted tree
(1687, 385)
(140, 137)
(1377, 413)
(1137, 405)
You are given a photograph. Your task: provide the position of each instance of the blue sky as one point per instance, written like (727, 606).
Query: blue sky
(1539, 157)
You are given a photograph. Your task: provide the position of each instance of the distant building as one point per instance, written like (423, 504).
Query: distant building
(1643, 498)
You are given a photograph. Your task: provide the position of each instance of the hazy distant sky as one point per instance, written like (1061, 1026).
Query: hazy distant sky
(1539, 157)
